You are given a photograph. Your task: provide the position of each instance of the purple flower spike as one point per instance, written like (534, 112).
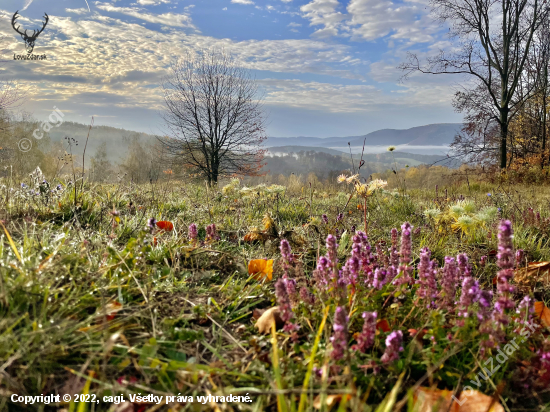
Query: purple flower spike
(332, 255)
(340, 338)
(426, 277)
(469, 296)
(283, 301)
(394, 343)
(449, 283)
(365, 340)
(505, 261)
(193, 232)
(286, 255)
(405, 254)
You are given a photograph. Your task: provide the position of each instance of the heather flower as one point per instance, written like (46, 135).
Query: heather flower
(520, 253)
(463, 266)
(426, 277)
(340, 337)
(405, 254)
(394, 343)
(193, 232)
(285, 308)
(483, 260)
(469, 296)
(449, 283)
(379, 278)
(290, 285)
(366, 338)
(332, 255)
(307, 296)
(525, 309)
(211, 232)
(324, 217)
(286, 255)
(339, 217)
(485, 300)
(322, 272)
(505, 261)
(353, 267)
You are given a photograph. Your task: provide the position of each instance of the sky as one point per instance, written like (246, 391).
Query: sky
(325, 67)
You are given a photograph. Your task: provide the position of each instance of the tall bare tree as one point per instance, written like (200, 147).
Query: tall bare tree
(215, 116)
(494, 38)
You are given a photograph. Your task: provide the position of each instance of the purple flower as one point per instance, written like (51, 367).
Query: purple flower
(285, 308)
(520, 253)
(286, 255)
(366, 338)
(448, 283)
(340, 337)
(394, 343)
(483, 260)
(211, 232)
(525, 309)
(193, 232)
(339, 217)
(485, 300)
(307, 296)
(405, 254)
(426, 277)
(505, 261)
(469, 296)
(325, 219)
(332, 255)
(152, 223)
(380, 278)
(290, 285)
(463, 266)
(322, 273)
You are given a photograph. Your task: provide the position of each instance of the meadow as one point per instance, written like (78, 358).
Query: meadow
(283, 295)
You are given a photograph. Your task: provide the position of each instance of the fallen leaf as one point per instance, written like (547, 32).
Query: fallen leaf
(110, 310)
(436, 400)
(330, 400)
(268, 318)
(534, 272)
(165, 225)
(543, 313)
(383, 325)
(261, 269)
(254, 236)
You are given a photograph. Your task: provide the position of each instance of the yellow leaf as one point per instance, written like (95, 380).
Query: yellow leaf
(436, 400)
(330, 400)
(261, 269)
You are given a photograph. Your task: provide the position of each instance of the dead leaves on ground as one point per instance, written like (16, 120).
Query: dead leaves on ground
(269, 317)
(436, 400)
(535, 272)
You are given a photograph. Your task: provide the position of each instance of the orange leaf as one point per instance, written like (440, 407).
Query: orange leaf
(165, 225)
(543, 313)
(330, 400)
(533, 273)
(436, 400)
(383, 325)
(261, 269)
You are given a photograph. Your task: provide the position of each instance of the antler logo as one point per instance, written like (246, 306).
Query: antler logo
(29, 40)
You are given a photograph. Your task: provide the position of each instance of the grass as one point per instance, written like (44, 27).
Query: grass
(94, 302)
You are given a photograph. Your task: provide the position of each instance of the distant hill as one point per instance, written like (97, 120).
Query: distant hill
(441, 134)
(117, 140)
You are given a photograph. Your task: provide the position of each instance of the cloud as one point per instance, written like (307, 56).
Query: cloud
(167, 19)
(242, 1)
(294, 24)
(153, 2)
(77, 11)
(372, 19)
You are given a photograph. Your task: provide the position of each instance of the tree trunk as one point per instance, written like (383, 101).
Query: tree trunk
(503, 136)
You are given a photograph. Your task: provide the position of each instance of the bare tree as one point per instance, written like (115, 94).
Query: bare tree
(494, 40)
(215, 117)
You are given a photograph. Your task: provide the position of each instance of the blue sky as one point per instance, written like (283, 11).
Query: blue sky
(326, 67)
